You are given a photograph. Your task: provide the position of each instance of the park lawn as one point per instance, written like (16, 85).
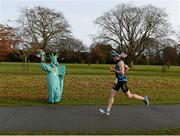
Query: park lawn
(86, 84)
(163, 131)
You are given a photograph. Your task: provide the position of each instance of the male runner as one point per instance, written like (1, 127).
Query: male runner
(121, 82)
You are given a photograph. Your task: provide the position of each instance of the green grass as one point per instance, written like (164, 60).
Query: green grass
(164, 131)
(87, 85)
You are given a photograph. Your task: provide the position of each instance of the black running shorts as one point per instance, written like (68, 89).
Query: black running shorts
(122, 85)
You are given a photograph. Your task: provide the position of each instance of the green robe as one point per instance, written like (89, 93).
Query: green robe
(55, 81)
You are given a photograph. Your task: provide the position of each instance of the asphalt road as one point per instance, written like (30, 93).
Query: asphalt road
(88, 118)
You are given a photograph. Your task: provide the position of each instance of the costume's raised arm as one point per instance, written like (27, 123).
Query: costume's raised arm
(41, 54)
(45, 67)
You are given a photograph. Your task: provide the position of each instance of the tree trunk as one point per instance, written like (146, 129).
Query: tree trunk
(130, 63)
(26, 63)
(163, 68)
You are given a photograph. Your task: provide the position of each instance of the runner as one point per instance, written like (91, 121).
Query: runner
(121, 82)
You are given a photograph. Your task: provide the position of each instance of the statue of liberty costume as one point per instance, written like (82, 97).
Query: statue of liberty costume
(55, 78)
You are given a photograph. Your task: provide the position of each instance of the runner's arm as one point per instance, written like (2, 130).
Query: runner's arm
(121, 71)
(126, 68)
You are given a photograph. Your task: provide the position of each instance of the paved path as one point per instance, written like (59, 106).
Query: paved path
(87, 118)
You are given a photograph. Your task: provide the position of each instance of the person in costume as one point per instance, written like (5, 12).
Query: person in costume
(55, 77)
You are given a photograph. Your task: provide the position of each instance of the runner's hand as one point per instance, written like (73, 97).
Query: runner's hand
(111, 69)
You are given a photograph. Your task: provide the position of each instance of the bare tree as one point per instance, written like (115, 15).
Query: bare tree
(77, 45)
(178, 37)
(38, 28)
(168, 52)
(129, 27)
(70, 44)
(23, 50)
(41, 26)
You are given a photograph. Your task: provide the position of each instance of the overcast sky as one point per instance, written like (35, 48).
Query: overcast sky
(81, 14)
